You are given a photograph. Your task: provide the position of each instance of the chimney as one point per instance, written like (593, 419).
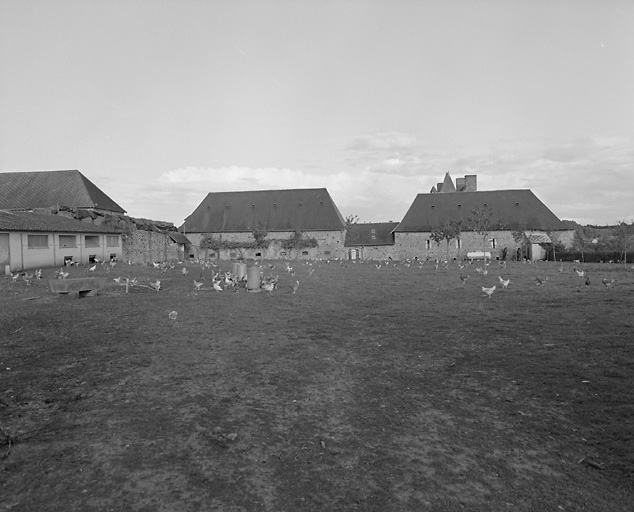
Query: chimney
(439, 187)
(471, 182)
(460, 184)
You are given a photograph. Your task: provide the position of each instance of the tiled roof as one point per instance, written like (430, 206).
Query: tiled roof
(371, 233)
(43, 189)
(179, 238)
(28, 221)
(539, 238)
(511, 209)
(272, 210)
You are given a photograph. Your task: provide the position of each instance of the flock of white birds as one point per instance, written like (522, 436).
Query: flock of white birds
(210, 276)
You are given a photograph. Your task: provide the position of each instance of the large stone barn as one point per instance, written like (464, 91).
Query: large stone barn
(499, 223)
(370, 240)
(34, 240)
(268, 224)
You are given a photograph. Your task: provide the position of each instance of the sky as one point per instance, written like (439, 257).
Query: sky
(161, 102)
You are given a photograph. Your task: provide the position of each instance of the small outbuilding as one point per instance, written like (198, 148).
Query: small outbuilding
(33, 240)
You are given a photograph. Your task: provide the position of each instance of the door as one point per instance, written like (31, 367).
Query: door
(4, 251)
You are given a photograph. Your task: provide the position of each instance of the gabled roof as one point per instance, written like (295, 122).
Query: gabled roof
(43, 189)
(310, 209)
(511, 209)
(29, 221)
(371, 233)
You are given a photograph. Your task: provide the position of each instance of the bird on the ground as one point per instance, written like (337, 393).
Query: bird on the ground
(156, 265)
(184, 271)
(488, 291)
(14, 277)
(198, 284)
(38, 274)
(295, 286)
(377, 265)
(268, 286)
(561, 269)
(156, 286)
(587, 280)
(217, 286)
(580, 273)
(93, 268)
(504, 282)
(311, 271)
(464, 278)
(117, 280)
(606, 282)
(541, 281)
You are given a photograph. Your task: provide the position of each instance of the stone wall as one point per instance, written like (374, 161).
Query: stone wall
(371, 252)
(144, 246)
(329, 245)
(410, 245)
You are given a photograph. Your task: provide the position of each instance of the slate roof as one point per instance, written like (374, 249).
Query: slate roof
(29, 221)
(361, 234)
(539, 238)
(179, 238)
(512, 209)
(43, 189)
(310, 209)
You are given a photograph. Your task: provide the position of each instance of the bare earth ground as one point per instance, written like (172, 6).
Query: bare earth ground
(391, 389)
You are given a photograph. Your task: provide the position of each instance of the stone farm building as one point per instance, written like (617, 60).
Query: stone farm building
(269, 224)
(506, 212)
(71, 195)
(370, 241)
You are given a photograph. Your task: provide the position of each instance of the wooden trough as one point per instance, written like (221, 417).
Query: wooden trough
(77, 287)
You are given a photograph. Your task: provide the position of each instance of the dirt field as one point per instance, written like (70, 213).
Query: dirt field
(397, 388)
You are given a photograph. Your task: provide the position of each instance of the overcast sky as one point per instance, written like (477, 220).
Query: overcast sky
(160, 102)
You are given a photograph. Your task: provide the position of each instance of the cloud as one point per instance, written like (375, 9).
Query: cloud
(588, 180)
(372, 196)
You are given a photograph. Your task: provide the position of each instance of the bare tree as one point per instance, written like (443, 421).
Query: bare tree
(519, 235)
(351, 219)
(481, 223)
(450, 230)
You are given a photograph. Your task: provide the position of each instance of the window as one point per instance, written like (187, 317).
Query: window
(112, 241)
(428, 244)
(233, 254)
(92, 241)
(326, 253)
(373, 237)
(258, 254)
(493, 243)
(304, 253)
(373, 231)
(67, 241)
(458, 243)
(283, 253)
(38, 241)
